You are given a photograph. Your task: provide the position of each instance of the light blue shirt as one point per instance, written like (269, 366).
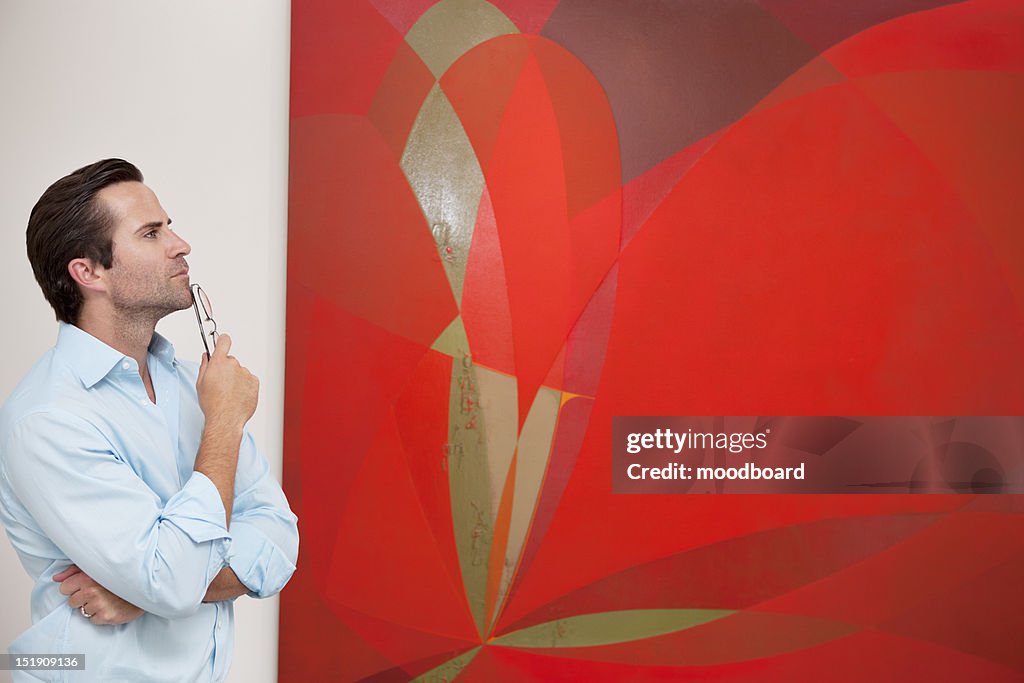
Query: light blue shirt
(93, 473)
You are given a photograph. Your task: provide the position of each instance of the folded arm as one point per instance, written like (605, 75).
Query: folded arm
(106, 520)
(225, 586)
(265, 534)
(264, 545)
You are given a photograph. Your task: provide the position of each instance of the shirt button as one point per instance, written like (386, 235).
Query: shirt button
(143, 401)
(126, 365)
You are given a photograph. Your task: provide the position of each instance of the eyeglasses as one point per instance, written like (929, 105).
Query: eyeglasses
(204, 316)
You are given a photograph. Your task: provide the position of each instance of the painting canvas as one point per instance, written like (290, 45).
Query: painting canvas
(511, 221)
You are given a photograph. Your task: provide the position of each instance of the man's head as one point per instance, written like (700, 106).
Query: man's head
(100, 235)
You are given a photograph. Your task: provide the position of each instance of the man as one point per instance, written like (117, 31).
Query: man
(129, 487)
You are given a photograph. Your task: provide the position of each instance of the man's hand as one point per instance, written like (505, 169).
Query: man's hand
(228, 393)
(104, 606)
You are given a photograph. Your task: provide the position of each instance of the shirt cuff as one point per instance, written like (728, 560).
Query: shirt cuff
(257, 562)
(197, 509)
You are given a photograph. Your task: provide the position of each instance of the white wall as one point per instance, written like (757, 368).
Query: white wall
(195, 93)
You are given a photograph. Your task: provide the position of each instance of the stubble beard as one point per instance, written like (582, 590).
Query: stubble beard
(139, 305)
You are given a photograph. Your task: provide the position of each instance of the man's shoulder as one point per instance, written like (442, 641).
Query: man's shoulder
(36, 388)
(49, 387)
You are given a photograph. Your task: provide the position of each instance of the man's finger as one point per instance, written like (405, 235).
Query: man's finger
(223, 346)
(67, 573)
(75, 583)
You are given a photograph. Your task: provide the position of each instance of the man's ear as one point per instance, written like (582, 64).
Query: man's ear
(87, 273)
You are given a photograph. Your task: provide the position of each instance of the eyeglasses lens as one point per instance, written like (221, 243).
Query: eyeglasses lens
(205, 301)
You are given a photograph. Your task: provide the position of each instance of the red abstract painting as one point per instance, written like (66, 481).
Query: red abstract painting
(511, 221)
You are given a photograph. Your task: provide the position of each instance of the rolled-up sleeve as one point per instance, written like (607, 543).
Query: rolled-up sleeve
(263, 528)
(102, 515)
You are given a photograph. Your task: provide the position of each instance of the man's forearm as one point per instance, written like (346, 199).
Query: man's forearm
(225, 586)
(218, 459)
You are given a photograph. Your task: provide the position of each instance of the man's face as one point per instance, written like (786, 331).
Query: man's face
(149, 275)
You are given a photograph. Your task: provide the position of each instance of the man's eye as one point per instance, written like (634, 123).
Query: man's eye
(150, 234)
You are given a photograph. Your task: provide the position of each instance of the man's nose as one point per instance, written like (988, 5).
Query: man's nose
(179, 247)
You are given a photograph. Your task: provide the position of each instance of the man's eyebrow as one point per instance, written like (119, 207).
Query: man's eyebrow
(152, 224)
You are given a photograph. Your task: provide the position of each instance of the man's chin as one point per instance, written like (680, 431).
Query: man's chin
(186, 295)
(175, 305)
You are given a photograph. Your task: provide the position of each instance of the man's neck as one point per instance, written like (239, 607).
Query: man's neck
(131, 335)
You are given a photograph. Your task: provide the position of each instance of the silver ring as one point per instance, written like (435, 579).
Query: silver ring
(84, 613)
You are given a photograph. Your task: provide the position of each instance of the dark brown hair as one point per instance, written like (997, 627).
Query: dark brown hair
(68, 222)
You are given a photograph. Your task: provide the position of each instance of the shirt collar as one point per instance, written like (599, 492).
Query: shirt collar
(93, 360)
(161, 348)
